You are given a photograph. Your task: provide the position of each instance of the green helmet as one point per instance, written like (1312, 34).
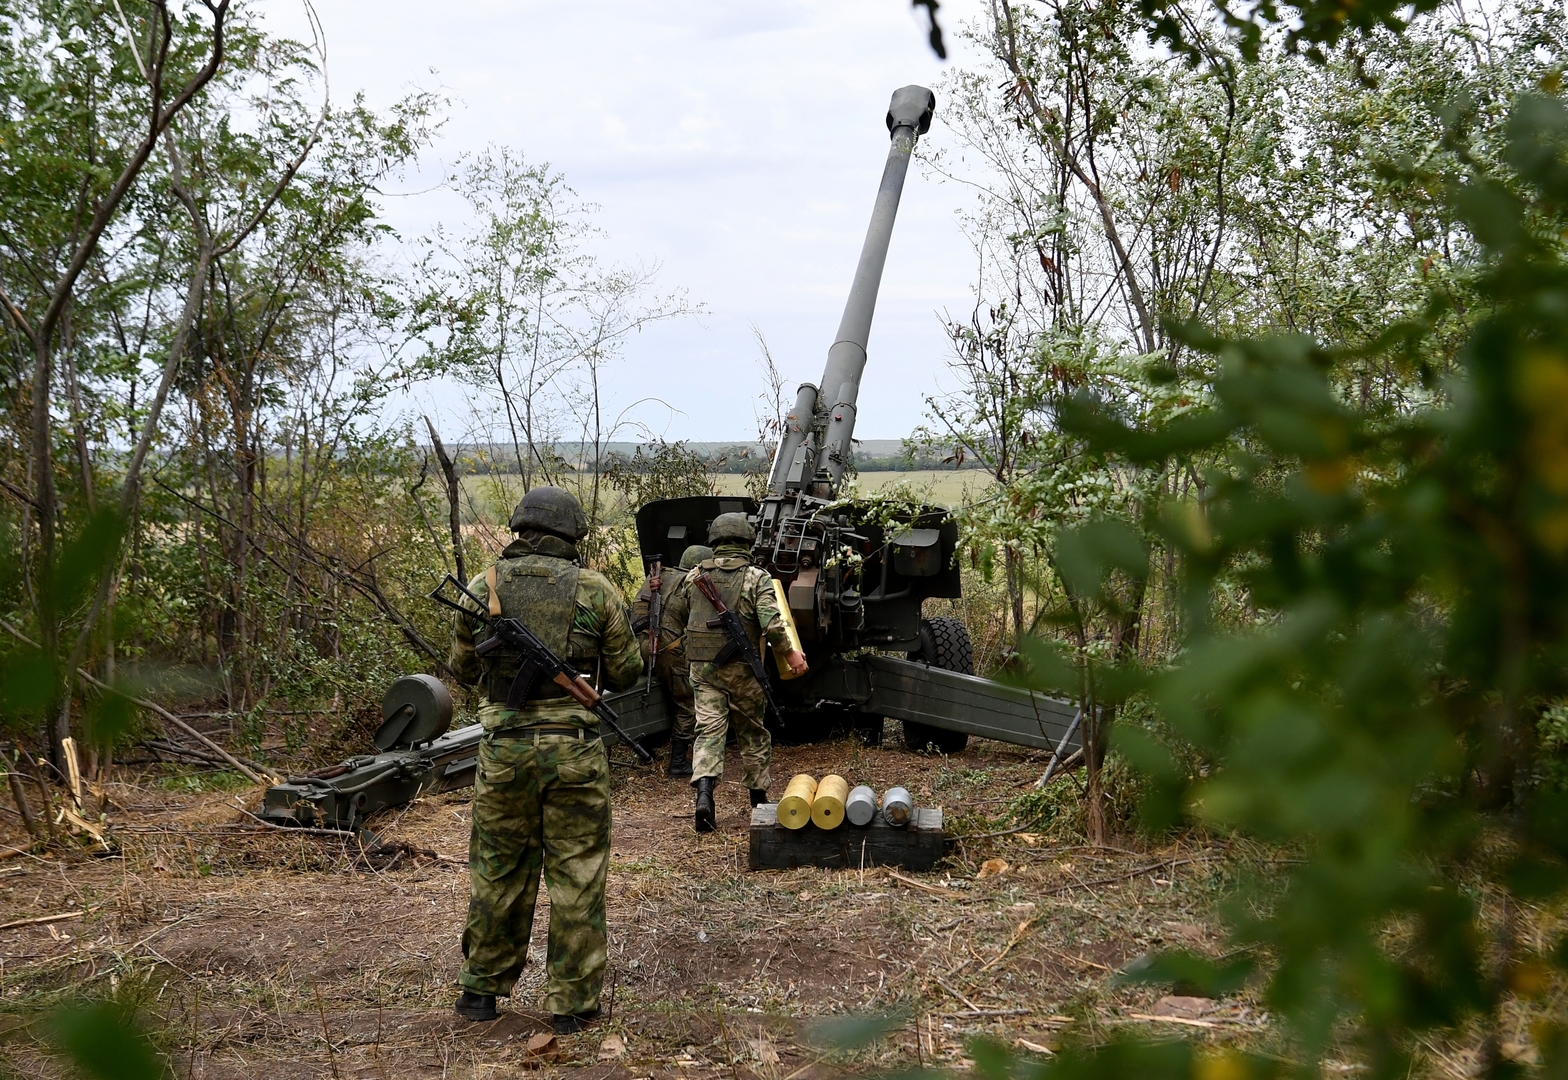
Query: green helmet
(694, 555)
(552, 510)
(731, 527)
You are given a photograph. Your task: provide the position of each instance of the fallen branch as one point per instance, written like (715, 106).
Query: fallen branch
(168, 716)
(1173, 1020)
(934, 890)
(168, 746)
(39, 920)
(1118, 877)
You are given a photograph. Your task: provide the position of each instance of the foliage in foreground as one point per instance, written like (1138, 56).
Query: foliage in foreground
(1412, 574)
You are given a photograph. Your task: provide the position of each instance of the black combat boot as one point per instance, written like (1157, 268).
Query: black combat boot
(472, 1006)
(572, 1023)
(680, 758)
(704, 817)
(758, 796)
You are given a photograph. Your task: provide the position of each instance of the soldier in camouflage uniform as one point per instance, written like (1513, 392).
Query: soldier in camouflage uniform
(729, 693)
(671, 665)
(542, 787)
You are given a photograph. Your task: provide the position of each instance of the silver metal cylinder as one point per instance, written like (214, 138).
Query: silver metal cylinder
(793, 460)
(908, 117)
(897, 806)
(861, 806)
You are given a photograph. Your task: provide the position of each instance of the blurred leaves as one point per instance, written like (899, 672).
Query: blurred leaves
(101, 1042)
(1408, 572)
(852, 1032)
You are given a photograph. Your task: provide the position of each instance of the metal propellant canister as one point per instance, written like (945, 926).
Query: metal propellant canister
(827, 806)
(897, 806)
(795, 806)
(861, 806)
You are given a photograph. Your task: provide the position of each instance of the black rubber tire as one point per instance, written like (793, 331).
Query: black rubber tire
(944, 643)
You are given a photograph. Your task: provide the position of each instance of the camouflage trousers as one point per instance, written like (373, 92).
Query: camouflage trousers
(540, 802)
(724, 696)
(675, 673)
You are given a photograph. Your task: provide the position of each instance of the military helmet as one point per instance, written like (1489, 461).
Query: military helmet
(695, 554)
(552, 510)
(731, 527)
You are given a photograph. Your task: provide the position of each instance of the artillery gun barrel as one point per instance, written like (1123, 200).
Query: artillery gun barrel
(908, 117)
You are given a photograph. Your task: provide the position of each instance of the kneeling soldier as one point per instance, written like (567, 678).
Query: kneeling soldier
(729, 693)
(542, 787)
(670, 665)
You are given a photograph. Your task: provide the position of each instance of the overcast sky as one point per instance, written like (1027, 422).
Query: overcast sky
(737, 143)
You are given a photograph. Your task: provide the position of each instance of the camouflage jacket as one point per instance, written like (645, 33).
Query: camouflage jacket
(746, 589)
(671, 630)
(599, 643)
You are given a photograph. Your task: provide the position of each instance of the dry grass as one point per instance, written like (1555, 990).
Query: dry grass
(260, 953)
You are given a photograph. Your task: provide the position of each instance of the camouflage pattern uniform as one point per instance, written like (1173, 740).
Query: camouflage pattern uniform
(729, 694)
(671, 667)
(542, 789)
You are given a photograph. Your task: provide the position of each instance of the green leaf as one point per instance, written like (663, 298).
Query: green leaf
(90, 554)
(851, 1032)
(101, 1042)
(1188, 970)
(1087, 555)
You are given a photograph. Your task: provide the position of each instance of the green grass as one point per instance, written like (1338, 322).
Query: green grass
(202, 781)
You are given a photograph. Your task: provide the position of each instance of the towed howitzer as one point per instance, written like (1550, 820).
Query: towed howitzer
(539, 661)
(855, 582)
(855, 585)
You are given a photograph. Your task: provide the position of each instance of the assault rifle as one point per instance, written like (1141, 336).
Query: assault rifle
(738, 644)
(538, 659)
(655, 617)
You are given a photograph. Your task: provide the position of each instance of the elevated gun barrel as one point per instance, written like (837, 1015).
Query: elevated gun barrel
(908, 117)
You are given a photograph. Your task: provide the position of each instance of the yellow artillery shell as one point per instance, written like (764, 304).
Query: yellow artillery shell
(791, 633)
(827, 808)
(795, 806)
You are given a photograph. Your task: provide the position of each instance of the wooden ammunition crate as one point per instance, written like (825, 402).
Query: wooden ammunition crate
(916, 846)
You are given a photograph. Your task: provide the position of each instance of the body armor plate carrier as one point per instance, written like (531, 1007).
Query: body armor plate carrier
(542, 592)
(702, 644)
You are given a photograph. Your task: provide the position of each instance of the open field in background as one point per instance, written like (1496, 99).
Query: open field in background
(259, 952)
(491, 498)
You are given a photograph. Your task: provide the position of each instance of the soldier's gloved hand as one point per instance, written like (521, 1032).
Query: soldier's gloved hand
(796, 661)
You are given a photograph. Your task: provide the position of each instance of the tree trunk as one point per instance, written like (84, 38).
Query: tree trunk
(1094, 791)
(23, 807)
(449, 470)
(46, 499)
(1015, 593)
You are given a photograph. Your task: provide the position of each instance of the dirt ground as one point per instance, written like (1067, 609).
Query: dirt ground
(253, 952)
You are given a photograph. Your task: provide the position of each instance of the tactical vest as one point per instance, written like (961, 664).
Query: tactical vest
(542, 592)
(669, 633)
(729, 574)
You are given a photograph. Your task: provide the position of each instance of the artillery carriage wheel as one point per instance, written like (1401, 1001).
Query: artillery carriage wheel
(944, 643)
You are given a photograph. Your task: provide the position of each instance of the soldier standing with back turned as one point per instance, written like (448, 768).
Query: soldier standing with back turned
(671, 665)
(542, 786)
(730, 693)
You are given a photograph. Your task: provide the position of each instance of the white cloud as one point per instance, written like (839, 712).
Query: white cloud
(738, 144)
